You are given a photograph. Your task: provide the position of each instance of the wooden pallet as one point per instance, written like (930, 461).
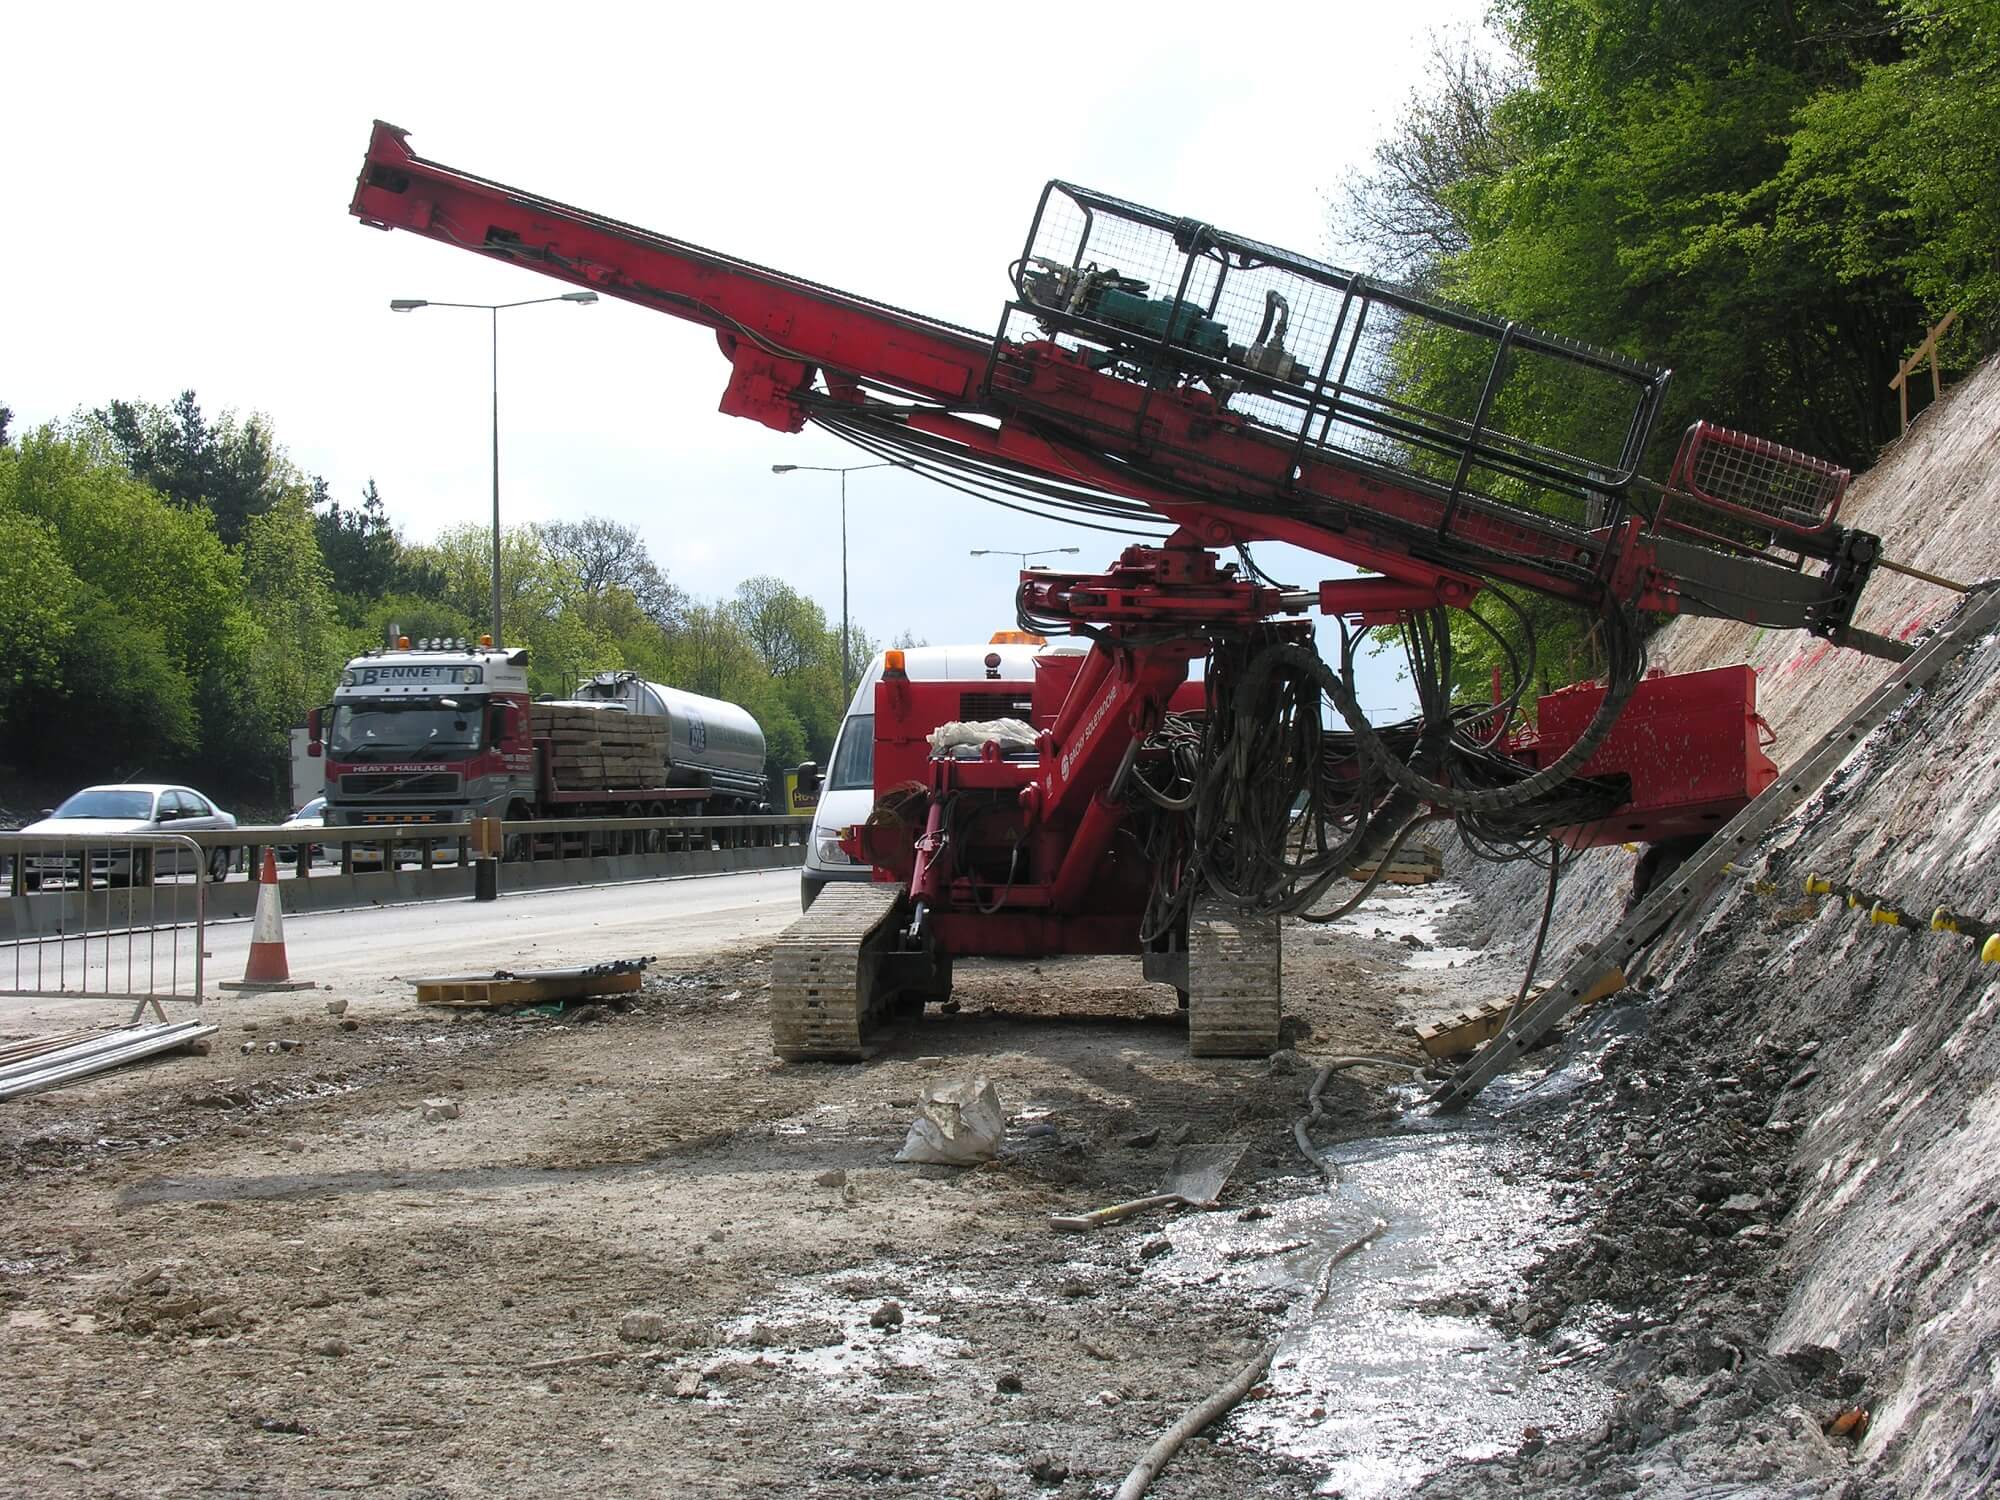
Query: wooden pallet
(597, 750)
(1457, 1035)
(1418, 864)
(542, 987)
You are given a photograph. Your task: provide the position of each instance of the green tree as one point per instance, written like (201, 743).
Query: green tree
(538, 601)
(124, 710)
(412, 615)
(39, 602)
(359, 544)
(298, 646)
(230, 466)
(153, 561)
(1895, 177)
(785, 628)
(116, 606)
(1772, 198)
(611, 564)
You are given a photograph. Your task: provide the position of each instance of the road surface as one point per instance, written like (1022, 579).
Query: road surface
(370, 955)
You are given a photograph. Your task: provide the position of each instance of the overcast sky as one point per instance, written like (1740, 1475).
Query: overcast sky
(177, 182)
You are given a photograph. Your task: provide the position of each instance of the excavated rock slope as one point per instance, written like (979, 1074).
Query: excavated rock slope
(1796, 1167)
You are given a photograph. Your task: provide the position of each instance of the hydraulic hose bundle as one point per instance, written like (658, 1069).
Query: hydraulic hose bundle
(1268, 805)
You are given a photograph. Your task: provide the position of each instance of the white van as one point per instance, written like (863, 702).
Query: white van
(848, 791)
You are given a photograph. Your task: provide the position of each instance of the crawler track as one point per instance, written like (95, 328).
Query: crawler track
(825, 995)
(1234, 1001)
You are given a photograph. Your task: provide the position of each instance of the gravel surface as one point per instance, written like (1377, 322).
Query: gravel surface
(626, 1252)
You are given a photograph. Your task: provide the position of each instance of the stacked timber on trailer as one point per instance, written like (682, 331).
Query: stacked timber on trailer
(594, 749)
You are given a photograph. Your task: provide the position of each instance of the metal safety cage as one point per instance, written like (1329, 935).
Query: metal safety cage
(1748, 494)
(1361, 372)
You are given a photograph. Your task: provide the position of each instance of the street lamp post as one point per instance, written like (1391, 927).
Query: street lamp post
(1024, 556)
(846, 671)
(411, 304)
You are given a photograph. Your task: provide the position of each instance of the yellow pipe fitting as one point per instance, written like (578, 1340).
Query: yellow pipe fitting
(1990, 952)
(1885, 916)
(1944, 920)
(1818, 887)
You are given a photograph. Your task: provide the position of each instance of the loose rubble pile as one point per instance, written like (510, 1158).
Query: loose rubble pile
(1779, 1163)
(1679, 1164)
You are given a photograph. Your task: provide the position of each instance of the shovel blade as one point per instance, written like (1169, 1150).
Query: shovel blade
(1200, 1171)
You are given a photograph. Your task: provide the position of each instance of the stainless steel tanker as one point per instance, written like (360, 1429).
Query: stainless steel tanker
(710, 742)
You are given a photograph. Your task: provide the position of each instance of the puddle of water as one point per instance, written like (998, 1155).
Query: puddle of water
(1396, 913)
(1399, 911)
(1373, 1392)
(1442, 958)
(820, 1334)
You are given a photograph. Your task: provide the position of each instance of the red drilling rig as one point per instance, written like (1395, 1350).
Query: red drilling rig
(1150, 368)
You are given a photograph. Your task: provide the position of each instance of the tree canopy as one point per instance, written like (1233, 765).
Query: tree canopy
(175, 596)
(1774, 198)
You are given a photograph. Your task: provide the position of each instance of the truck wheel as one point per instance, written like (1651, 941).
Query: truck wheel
(515, 848)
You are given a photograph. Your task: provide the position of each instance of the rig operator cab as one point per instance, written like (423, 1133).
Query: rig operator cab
(431, 732)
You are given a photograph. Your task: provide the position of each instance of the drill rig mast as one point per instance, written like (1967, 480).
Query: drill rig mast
(1149, 368)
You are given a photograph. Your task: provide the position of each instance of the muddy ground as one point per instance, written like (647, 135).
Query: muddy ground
(645, 1258)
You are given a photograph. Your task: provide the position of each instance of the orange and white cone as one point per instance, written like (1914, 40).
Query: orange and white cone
(267, 969)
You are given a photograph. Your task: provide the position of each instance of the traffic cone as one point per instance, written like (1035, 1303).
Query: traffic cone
(267, 969)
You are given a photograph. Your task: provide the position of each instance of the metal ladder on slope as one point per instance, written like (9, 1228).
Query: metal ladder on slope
(1695, 879)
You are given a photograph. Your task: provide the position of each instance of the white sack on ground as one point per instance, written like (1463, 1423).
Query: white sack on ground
(959, 1125)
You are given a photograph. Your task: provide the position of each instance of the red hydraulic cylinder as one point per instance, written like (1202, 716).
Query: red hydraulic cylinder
(1086, 852)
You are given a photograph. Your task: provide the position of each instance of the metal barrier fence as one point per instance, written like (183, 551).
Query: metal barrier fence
(117, 930)
(349, 849)
(53, 898)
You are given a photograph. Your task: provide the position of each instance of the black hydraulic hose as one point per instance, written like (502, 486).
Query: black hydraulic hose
(1381, 869)
(1340, 688)
(1542, 932)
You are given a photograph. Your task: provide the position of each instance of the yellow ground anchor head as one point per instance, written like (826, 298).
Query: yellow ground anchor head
(1815, 886)
(1944, 920)
(1885, 916)
(1990, 951)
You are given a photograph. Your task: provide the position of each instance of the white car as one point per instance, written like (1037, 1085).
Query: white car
(113, 812)
(312, 815)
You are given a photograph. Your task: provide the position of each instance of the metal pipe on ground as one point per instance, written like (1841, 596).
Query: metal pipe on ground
(58, 1068)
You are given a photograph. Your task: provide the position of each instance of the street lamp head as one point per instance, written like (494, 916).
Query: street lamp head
(579, 296)
(1069, 549)
(407, 304)
(979, 551)
(783, 468)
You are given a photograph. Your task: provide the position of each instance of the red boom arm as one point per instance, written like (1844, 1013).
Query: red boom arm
(798, 349)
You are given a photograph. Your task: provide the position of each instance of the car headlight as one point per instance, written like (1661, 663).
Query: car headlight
(827, 847)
